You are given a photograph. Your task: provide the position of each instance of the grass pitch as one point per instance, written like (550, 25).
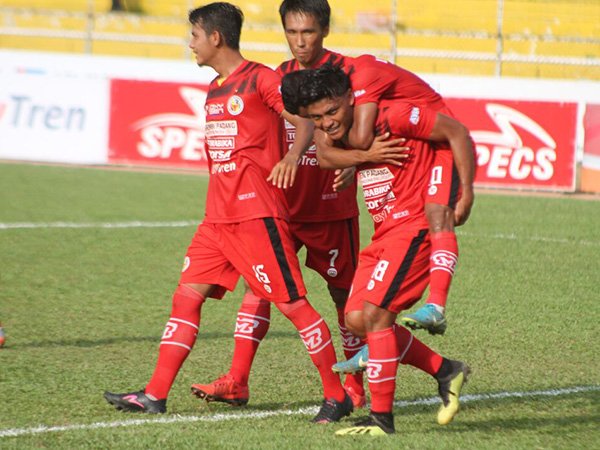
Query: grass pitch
(85, 293)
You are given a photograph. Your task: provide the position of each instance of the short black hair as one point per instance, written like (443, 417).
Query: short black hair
(305, 87)
(318, 8)
(225, 18)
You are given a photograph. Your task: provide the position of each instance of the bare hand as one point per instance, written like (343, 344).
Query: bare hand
(463, 207)
(344, 178)
(388, 152)
(283, 174)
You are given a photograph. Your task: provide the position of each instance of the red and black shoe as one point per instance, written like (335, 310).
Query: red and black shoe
(136, 402)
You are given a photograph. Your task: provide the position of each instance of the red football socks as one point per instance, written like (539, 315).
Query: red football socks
(251, 326)
(351, 345)
(413, 352)
(444, 255)
(381, 371)
(317, 339)
(177, 340)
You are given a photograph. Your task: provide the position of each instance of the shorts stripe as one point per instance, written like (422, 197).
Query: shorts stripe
(349, 223)
(403, 269)
(454, 187)
(277, 245)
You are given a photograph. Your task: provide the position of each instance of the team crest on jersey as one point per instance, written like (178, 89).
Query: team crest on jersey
(235, 105)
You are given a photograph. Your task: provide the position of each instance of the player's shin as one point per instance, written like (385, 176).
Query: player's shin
(381, 370)
(413, 352)
(444, 256)
(317, 339)
(351, 344)
(177, 340)
(251, 326)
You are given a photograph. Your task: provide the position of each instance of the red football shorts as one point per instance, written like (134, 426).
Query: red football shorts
(261, 250)
(331, 248)
(393, 272)
(444, 185)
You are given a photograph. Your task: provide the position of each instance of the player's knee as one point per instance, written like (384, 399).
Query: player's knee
(439, 217)
(288, 309)
(355, 324)
(187, 297)
(377, 318)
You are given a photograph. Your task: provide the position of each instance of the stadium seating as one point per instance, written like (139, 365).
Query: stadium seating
(428, 32)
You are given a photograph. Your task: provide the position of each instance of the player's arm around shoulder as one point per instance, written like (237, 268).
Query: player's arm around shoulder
(382, 151)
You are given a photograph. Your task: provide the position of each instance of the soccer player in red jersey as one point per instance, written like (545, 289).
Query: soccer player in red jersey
(393, 270)
(245, 230)
(323, 217)
(450, 195)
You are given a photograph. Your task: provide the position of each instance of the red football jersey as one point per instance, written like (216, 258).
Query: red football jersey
(312, 198)
(375, 80)
(243, 143)
(395, 195)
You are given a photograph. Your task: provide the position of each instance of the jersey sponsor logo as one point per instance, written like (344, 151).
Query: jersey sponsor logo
(214, 109)
(227, 167)
(245, 325)
(220, 155)
(247, 196)
(374, 204)
(330, 196)
(227, 143)
(359, 92)
(381, 216)
(288, 125)
(235, 105)
(401, 214)
(312, 339)
(415, 115)
(376, 175)
(170, 329)
(308, 160)
(221, 128)
(377, 191)
(290, 135)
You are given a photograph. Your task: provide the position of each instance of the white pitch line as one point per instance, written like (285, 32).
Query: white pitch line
(133, 224)
(284, 412)
(186, 223)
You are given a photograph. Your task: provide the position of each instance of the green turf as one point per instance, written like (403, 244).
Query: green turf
(83, 310)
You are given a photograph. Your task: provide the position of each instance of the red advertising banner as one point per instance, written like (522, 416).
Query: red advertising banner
(590, 166)
(157, 123)
(521, 144)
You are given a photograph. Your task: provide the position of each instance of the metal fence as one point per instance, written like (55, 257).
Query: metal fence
(492, 43)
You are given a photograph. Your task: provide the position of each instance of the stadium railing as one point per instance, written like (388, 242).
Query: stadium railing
(531, 38)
